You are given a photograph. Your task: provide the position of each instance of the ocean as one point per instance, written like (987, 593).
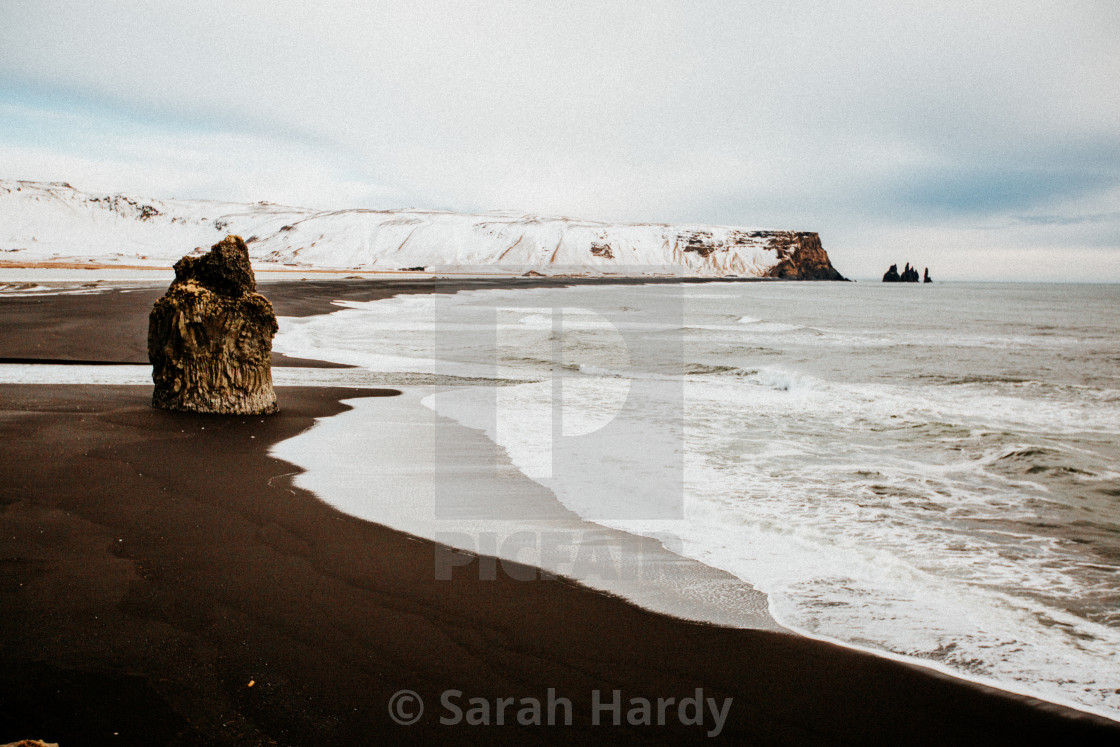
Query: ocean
(925, 471)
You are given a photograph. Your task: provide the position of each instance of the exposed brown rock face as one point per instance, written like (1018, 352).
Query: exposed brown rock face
(801, 257)
(799, 253)
(602, 250)
(210, 337)
(701, 242)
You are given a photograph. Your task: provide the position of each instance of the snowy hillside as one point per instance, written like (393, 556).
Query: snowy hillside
(53, 222)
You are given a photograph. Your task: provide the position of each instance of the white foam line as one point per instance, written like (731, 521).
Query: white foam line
(949, 671)
(141, 375)
(457, 488)
(52, 373)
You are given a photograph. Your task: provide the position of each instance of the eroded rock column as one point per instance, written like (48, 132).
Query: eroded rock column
(210, 337)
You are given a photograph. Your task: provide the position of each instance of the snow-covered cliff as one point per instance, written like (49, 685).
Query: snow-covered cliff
(53, 222)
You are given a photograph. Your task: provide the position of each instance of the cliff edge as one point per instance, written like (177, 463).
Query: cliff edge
(801, 257)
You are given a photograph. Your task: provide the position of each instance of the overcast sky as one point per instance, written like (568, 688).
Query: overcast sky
(979, 138)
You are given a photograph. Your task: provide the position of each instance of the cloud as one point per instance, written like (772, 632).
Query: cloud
(984, 191)
(851, 119)
(97, 152)
(1069, 220)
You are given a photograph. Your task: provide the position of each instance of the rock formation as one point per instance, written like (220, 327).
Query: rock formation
(210, 336)
(801, 257)
(909, 275)
(927, 278)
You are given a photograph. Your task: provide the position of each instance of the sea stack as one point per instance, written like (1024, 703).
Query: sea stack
(909, 275)
(210, 337)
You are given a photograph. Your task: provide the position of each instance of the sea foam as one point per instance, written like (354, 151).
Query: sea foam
(933, 489)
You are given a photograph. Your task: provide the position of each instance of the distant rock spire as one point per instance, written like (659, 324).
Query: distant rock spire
(909, 275)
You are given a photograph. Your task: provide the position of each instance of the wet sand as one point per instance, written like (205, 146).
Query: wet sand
(154, 564)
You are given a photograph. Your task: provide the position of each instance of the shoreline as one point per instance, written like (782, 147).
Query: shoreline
(190, 572)
(801, 694)
(641, 570)
(663, 592)
(473, 499)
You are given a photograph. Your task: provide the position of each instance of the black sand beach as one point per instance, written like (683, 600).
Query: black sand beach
(154, 564)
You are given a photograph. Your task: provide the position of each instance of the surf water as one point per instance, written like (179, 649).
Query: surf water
(931, 471)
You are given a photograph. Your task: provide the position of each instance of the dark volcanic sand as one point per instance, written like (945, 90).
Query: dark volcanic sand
(152, 564)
